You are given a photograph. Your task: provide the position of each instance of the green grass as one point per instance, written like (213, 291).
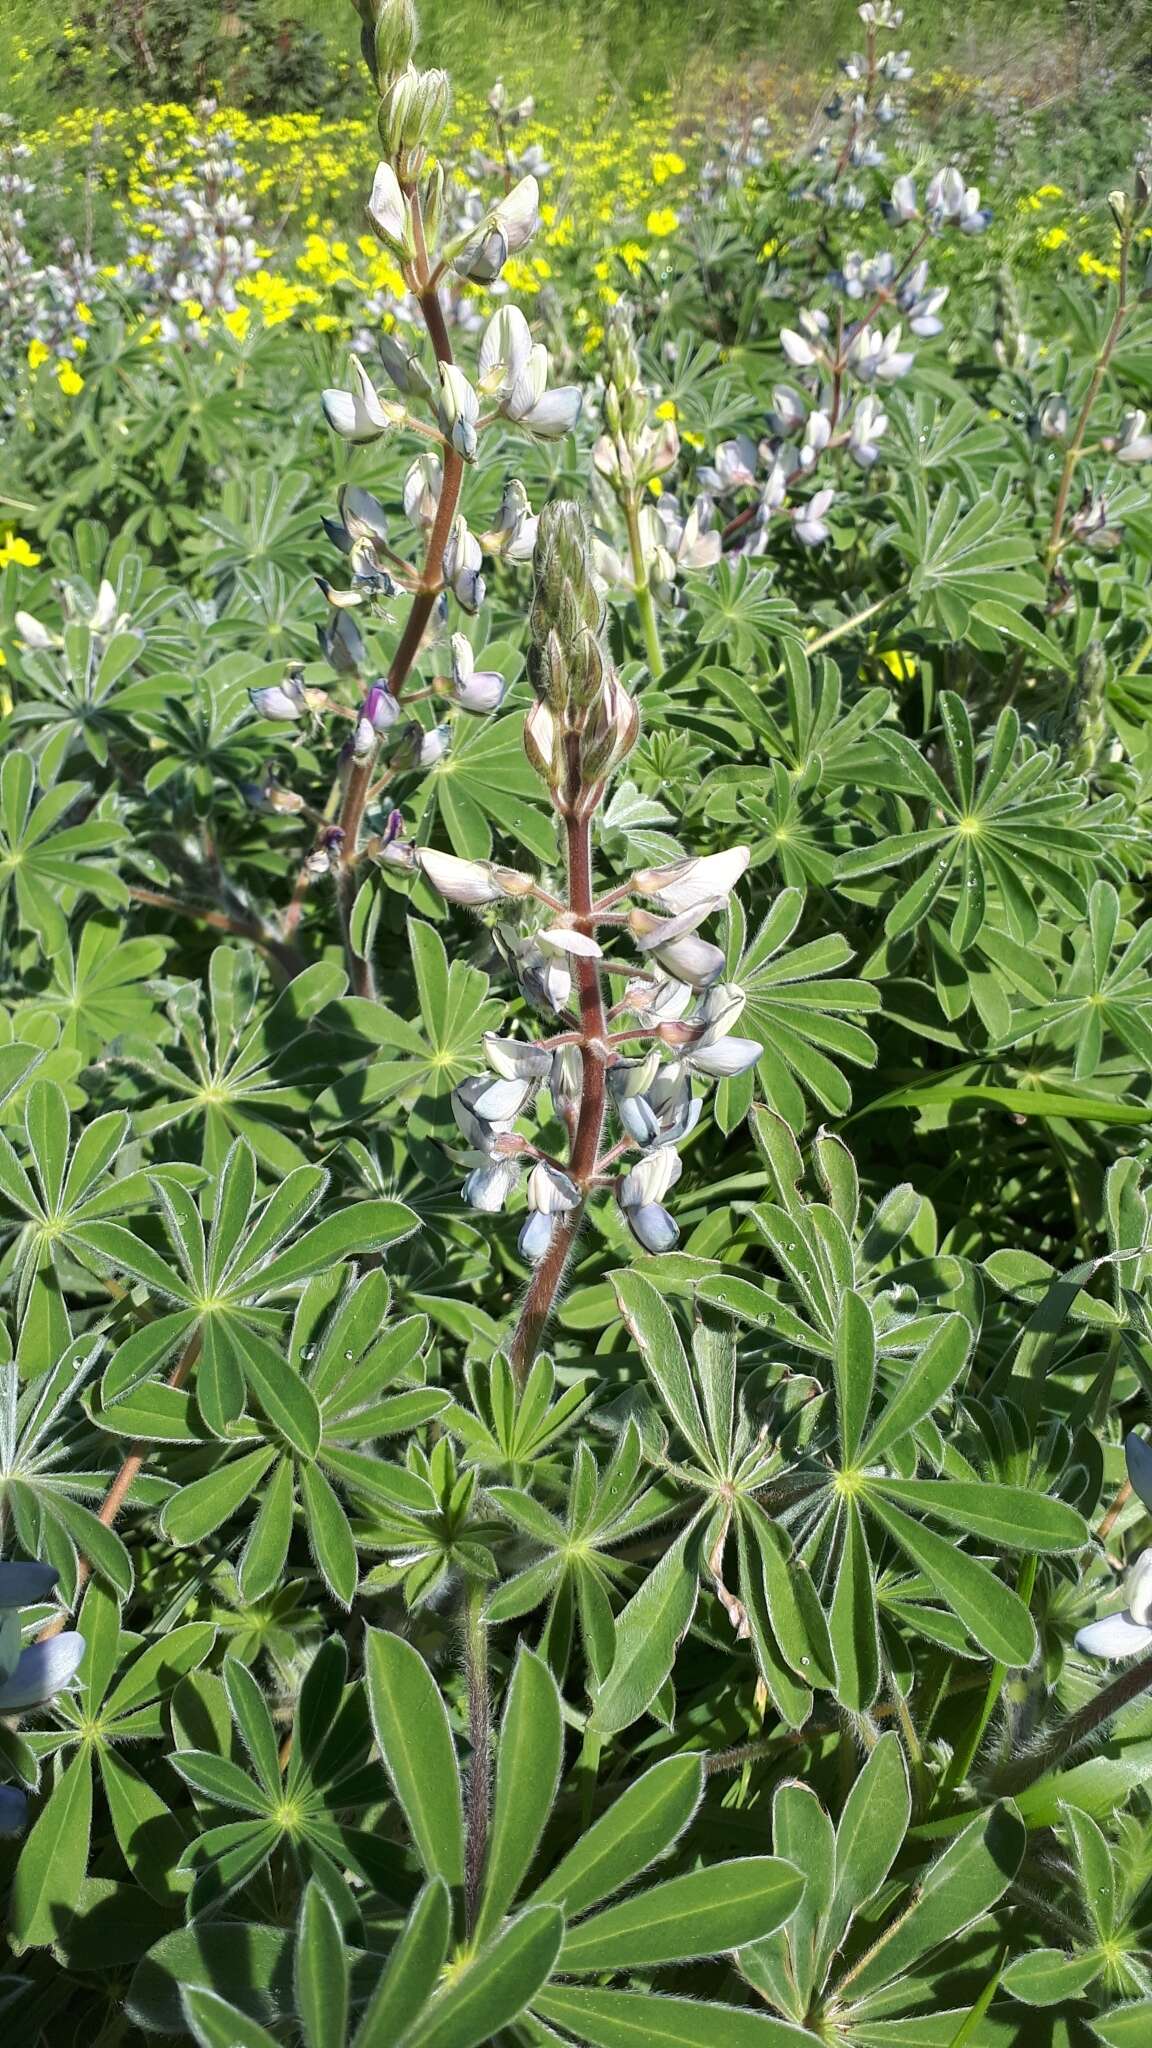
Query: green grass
(568, 50)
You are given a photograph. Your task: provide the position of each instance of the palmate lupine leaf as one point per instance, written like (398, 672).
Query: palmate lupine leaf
(1099, 994)
(304, 1803)
(484, 788)
(1010, 832)
(44, 871)
(68, 1184)
(801, 1010)
(420, 1061)
(221, 1279)
(249, 1062)
(439, 1991)
(78, 691)
(801, 720)
(118, 1700)
(101, 987)
(822, 1249)
(43, 1486)
(965, 559)
(723, 1466)
(347, 1380)
(809, 1964)
(872, 1494)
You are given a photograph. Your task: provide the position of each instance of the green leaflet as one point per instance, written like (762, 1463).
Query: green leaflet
(416, 1743)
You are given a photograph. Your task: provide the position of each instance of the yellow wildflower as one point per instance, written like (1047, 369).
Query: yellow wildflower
(663, 220)
(69, 379)
(38, 353)
(14, 550)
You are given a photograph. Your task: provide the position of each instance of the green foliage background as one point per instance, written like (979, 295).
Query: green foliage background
(713, 1677)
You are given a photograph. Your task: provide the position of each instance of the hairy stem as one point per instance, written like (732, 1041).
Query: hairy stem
(123, 1483)
(964, 1755)
(359, 782)
(1079, 1728)
(644, 604)
(548, 1277)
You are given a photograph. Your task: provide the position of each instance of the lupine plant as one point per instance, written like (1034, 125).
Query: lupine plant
(575, 1223)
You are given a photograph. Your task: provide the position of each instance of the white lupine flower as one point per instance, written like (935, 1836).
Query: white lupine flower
(102, 617)
(434, 746)
(869, 425)
(660, 1002)
(463, 557)
(677, 947)
(488, 1187)
(37, 638)
(1052, 418)
(654, 1100)
(514, 372)
(724, 1058)
(689, 884)
(808, 522)
(797, 349)
(388, 208)
(422, 486)
(504, 352)
(559, 938)
(902, 205)
(40, 1671)
(566, 1080)
(486, 1109)
(471, 882)
(536, 1236)
(650, 1179)
(789, 411)
(653, 1228)
(508, 228)
(733, 466)
(640, 1194)
(285, 701)
(691, 543)
(923, 312)
(878, 358)
(817, 434)
(475, 689)
(360, 415)
(950, 200)
(1129, 1632)
(459, 410)
(551, 1191)
(1135, 445)
(775, 489)
(717, 1010)
(946, 193)
(516, 1059)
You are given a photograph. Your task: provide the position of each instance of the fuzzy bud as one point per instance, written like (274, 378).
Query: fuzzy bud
(395, 34)
(413, 111)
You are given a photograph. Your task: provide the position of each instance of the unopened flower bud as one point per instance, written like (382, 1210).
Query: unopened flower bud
(388, 210)
(542, 744)
(611, 732)
(461, 881)
(413, 111)
(395, 34)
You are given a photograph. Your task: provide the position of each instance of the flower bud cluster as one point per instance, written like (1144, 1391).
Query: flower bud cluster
(638, 447)
(584, 723)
